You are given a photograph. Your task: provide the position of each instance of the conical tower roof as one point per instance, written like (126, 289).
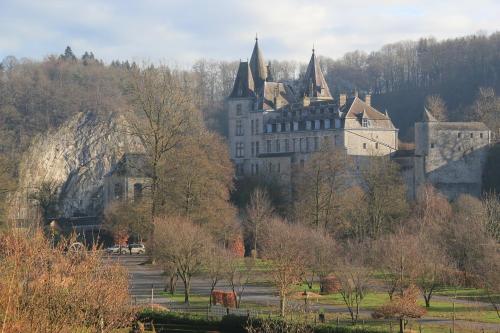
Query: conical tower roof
(314, 84)
(244, 85)
(258, 65)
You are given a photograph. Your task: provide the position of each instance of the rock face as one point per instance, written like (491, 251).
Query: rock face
(76, 158)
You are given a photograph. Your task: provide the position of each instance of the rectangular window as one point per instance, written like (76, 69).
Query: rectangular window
(256, 169)
(268, 146)
(316, 143)
(239, 169)
(253, 149)
(365, 122)
(471, 135)
(459, 135)
(432, 145)
(376, 145)
(481, 135)
(238, 109)
(239, 127)
(364, 145)
(294, 145)
(278, 148)
(287, 145)
(301, 143)
(279, 167)
(252, 130)
(257, 148)
(239, 149)
(307, 144)
(257, 126)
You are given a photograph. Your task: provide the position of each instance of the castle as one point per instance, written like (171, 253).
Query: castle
(275, 126)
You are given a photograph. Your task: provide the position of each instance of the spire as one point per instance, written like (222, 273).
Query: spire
(244, 85)
(258, 65)
(314, 84)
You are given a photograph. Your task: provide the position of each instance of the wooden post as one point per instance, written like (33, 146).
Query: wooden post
(453, 325)
(152, 296)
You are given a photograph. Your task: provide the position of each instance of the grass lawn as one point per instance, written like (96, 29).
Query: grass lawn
(441, 309)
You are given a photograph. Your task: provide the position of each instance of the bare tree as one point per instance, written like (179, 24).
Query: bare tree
(216, 267)
(319, 186)
(258, 212)
(163, 114)
(182, 244)
(353, 275)
(323, 254)
(437, 106)
(239, 273)
(284, 244)
(385, 195)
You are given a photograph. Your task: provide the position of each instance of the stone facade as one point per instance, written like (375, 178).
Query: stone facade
(449, 155)
(274, 126)
(129, 180)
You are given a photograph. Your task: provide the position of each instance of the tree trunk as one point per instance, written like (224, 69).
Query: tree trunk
(173, 283)
(282, 305)
(187, 287)
(401, 325)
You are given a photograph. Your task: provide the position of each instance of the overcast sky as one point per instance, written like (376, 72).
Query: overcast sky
(181, 31)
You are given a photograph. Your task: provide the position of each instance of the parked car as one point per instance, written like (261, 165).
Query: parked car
(136, 249)
(115, 249)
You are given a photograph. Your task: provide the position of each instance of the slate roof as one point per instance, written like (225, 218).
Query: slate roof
(356, 108)
(460, 126)
(243, 84)
(258, 66)
(314, 83)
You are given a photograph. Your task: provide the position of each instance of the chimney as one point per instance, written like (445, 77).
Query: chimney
(306, 101)
(342, 100)
(368, 99)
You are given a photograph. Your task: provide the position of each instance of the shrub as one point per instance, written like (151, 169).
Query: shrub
(330, 284)
(237, 247)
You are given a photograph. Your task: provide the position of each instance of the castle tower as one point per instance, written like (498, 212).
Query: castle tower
(314, 84)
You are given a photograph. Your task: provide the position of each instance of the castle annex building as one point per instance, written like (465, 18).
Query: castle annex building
(276, 125)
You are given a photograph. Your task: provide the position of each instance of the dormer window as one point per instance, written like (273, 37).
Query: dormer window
(364, 122)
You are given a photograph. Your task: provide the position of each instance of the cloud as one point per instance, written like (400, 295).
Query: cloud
(183, 30)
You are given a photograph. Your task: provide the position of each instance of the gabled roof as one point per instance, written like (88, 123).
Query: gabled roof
(243, 84)
(355, 108)
(258, 65)
(314, 83)
(132, 165)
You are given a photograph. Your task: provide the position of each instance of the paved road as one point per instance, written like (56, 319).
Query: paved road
(144, 277)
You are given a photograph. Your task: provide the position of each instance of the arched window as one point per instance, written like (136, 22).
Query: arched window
(137, 191)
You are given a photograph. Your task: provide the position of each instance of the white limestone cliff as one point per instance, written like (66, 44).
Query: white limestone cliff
(75, 158)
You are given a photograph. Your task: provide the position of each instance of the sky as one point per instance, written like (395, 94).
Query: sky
(181, 31)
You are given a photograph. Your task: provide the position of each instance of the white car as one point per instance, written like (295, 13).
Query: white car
(116, 249)
(136, 249)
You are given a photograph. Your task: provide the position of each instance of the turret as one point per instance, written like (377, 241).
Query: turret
(314, 84)
(244, 85)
